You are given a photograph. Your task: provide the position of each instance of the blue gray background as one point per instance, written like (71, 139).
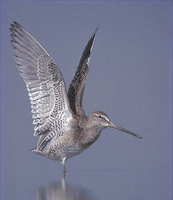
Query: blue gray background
(130, 78)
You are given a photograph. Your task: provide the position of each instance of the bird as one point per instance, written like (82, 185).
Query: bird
(59, 119)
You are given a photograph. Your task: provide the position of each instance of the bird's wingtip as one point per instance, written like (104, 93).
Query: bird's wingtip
(94, 34)
(97, 28)
(16, 23)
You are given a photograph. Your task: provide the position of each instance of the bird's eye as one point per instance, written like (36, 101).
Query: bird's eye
(100, 117)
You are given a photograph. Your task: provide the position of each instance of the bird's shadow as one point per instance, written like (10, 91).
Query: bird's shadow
(62, 191)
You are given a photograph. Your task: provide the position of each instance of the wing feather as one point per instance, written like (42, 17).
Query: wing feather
(49, 102)
(77, 86)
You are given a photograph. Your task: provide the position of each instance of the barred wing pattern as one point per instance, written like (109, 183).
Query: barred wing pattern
(77, 86)
(45, 84)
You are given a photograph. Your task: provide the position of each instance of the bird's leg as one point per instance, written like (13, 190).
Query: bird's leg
(63, 162)
(64, 170)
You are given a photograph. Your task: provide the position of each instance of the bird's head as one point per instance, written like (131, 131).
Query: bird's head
(100, 120)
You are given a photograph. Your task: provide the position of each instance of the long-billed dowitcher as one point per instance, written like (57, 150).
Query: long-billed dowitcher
(58, 116)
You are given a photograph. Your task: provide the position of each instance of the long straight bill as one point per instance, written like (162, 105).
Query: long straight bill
(124, 130)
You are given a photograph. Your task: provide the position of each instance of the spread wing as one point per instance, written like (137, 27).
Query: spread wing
(77, 86)
(49, 102)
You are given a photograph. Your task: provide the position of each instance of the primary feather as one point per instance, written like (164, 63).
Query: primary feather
(77, 86)
(49, 102)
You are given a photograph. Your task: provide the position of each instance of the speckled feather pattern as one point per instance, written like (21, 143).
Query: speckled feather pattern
(52, 113)
(60, 121)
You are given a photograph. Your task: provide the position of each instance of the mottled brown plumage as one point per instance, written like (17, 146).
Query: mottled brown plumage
(59, 119)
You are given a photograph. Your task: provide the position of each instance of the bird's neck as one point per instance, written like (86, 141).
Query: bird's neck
(91, 134)
(89, 137)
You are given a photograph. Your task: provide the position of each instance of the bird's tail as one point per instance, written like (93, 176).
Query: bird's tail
(34, 150)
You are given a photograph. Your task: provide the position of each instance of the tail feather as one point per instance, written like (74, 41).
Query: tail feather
(34, 150)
